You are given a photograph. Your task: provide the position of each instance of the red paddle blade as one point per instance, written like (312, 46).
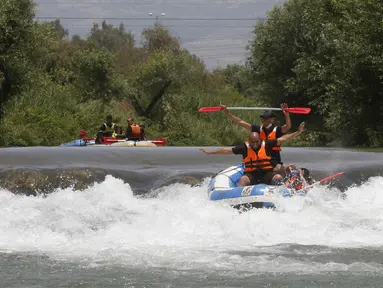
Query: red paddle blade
(299, 110)
(159, 142)
(210, 109)
(330, 177)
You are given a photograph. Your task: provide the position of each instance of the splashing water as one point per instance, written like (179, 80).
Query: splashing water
(178, 227)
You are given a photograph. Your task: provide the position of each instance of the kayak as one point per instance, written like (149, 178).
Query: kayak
(223, 188)
(109, 141)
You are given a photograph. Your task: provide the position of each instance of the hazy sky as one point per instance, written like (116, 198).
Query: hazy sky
(217, 42)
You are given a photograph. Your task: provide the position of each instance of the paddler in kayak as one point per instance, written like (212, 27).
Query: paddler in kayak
(268, 130)
(133, 131)
(256, 155)
(107, 129)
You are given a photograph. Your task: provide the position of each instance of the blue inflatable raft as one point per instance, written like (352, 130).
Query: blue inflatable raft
(224, 188)
(78, 143)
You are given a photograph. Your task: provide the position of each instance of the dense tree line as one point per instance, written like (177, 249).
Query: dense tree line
(325, 54)
(52, 86)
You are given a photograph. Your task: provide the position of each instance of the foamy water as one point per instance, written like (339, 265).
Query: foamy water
(179, 228)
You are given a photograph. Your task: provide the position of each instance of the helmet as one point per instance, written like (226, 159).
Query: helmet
(267, 114)
(306, 173)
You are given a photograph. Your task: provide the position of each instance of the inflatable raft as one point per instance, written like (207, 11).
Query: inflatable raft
(113, 142)
(224, 188)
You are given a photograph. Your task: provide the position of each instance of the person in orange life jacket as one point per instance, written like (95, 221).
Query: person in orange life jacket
(108, 129)
(133, 131)
(268, 130)
(256, 156)
(295, 178)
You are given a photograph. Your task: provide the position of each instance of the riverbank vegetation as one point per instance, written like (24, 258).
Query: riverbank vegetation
(323, 54)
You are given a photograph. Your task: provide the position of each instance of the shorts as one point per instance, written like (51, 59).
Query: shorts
(260, 177)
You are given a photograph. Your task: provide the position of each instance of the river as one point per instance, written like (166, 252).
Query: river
(140, 217)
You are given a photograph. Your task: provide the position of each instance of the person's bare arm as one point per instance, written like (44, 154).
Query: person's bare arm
(285, 128)
(290, 136)
(237, 120)
(219, 151)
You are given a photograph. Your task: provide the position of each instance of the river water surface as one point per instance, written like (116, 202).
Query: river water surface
(140, 217)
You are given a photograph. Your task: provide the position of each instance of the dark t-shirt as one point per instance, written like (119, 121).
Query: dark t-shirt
(242, 148)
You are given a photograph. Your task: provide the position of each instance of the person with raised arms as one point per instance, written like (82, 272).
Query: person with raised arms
(268, 130)
(256, 157)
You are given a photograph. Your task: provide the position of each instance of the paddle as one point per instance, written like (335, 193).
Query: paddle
(88, 139)
(322, 181)
(159, 141)
(295, 110)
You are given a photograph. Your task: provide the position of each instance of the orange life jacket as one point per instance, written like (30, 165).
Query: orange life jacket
(271, 136)
(257, 161)
(136, 130)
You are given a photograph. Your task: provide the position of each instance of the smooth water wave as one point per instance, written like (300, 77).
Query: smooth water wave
(177, 227)
(35, 170)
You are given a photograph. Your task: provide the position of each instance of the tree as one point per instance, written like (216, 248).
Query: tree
(329, 53)
(61, 32)
(159, 38)
(96, 76)
(110, 37)
(16, 25)
(239, 77)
